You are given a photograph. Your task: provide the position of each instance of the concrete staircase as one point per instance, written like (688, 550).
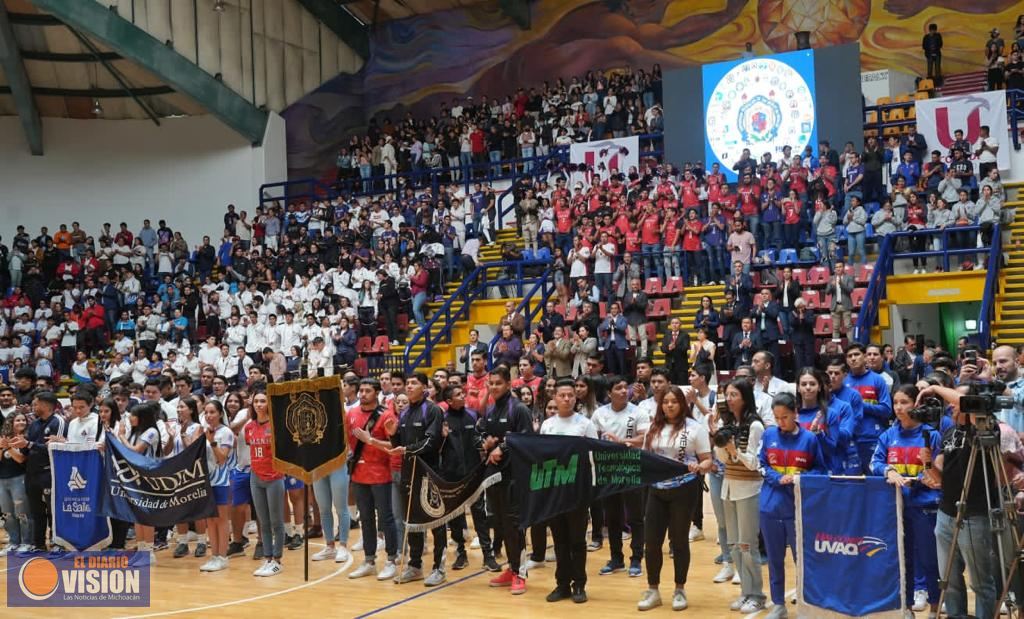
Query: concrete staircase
(1008, 327)
(963, 83)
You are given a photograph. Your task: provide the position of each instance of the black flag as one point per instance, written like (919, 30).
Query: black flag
(555, 474)
(309, 436)
(434, 501)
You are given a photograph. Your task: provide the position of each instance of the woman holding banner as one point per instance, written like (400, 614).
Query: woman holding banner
(823, 419)
(902, 455)
(737, 438)
(187, 431)
(220, 456)
(143, 438)
(266, 486)
(674, 433)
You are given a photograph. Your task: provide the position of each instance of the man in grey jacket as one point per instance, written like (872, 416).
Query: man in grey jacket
(856, 222)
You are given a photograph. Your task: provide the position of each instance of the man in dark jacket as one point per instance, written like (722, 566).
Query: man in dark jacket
(634, 308)
(47, 426)
(387, 303)
(931, 43)
(766, 321)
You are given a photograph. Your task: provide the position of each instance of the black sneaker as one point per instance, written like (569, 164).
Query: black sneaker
(257, 553)
(235, 549)
(558, 594)
(315, 532)
(200, 550)
(490, 564)
(579, 594)
(160, 545)
(180, 550)
(295, 542)
(461, 561)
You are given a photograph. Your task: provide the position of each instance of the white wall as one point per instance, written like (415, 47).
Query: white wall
(920, 318)
(94, 171)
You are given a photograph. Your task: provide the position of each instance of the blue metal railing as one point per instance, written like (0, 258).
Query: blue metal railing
(544, 287)
(1015, 114)
(987, 313)
(456, 307)
(868, 316)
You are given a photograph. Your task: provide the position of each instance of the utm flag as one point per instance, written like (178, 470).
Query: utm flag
(432, 501)
(309, 438)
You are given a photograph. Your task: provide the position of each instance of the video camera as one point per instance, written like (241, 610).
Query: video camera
(985, 399)
(930, 411)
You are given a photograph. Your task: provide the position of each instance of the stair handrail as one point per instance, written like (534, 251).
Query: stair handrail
(868, 315)
(546, 288)
(987, 312)
(472, 287)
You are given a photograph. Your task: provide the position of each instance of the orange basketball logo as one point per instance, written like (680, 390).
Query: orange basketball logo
(38, 578)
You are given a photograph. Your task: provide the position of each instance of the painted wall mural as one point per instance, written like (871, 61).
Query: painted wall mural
(418, 62)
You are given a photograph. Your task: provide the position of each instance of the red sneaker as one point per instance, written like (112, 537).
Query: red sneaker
(504, 579)
(518, 585)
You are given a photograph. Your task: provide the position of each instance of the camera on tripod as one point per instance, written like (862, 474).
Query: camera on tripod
(930, 411)
(985, 399)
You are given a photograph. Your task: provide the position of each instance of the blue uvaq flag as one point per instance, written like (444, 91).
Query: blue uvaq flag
(76, 488)
(849, 535)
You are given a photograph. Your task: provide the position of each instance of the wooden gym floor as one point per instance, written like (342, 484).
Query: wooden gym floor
(178, 589)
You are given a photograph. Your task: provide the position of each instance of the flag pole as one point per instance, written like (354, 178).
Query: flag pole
(305, 532)
(405, 529)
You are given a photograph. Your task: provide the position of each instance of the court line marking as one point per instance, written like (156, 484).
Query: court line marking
(398, 603)
(305, 585)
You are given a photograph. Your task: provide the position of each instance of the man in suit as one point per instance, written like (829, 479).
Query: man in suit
(742, 288)
(744, 344)
(634, 307)
(801, 328)
(550, 319)
(840, 286)
(786, 293)
(908, 363)
(612, 335)
(729, 318)
(676, 346)
(467, 350)
(766, 324)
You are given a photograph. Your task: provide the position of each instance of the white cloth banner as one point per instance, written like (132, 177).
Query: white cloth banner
(937, 119)
(604, 156)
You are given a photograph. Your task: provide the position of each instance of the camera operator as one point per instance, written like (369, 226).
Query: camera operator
(973, 366)
(973, 543)
(1007, 369)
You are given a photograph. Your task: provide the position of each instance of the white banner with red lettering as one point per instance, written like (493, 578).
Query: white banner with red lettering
(604, 156)
(937, 119)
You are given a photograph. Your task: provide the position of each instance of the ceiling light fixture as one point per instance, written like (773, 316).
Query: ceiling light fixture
(97, 109)
(219, 6)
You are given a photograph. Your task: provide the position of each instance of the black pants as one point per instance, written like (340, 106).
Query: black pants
(597, 521)
(390, 319)
(618, 510)
(118, 533)
(934, 66)
(569, 531)
(37, 490)
(698, 507)
(418, 540)
(669, 511)
(505, 512)
(538, 542)
(481, 525)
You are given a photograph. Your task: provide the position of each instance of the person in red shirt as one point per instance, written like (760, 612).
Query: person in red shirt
(266, 485)
(750, 203)
(477, 397)
(672, 235)
(650, 243)
(527, 378)
(727, 202)
(797, 175)
(690, 190)
(791, 210)
(371, 426)
(692, 229)
(418, 286)
(92, 324)
(563, 226)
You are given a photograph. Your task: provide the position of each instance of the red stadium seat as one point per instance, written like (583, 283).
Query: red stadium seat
(823, 325)
(674, 285)
(653, 287)
(602, 310)
(826, 302)
(864, 272)
(381, 345)
(659, 308)
(570, 313)
(652, 334)
(364, 345)
(812, 297)
(361, 367)
(800, 276)
(818, 276)
(857, 297)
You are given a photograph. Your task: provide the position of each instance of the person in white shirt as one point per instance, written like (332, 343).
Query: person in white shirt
(763, 364)
(209, 352)
(319, 361)
(124, 344)
(985, 150)
(140, 365)
(84, 427)
(290, 334)
(569, 530)
(659, 385)
(762, 400)
(234, 335)
(620, 421)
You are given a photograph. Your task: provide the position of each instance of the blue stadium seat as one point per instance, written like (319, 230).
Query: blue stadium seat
(788, 256)
(768, 254)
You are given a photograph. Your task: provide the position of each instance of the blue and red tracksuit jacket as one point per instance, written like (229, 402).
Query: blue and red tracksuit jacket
(834, 435)
(877, 408)
(898, 448)
(786, 453)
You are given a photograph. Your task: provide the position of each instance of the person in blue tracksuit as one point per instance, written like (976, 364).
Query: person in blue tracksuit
(787, 450)
(823, 418)
(877, 403)
(836, 372)
(903, 453)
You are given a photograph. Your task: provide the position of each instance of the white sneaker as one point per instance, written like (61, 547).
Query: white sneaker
(738, 603)
(323, 555)
(534, 565)
(342, 555)
(9, 548)
(696, 534)
(650, 599)
(25, 548)
(920, 601)
(388, 572)
(736, 578)
(436, 577)
(250, 528)
(214, 564)
(262, 570)
(358, 545)
(679, 600)
(273, 569)
(363, 570)
(752, 605)
(725, 574)
(475, 544)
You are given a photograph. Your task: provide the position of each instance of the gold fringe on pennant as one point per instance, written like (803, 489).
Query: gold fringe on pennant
(314, 386)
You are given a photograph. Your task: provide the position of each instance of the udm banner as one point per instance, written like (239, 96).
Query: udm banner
(938, 120)
(157, 493)
(849, 537)
(555, 474)
(308, 438)
(434, 501)
(77, 488)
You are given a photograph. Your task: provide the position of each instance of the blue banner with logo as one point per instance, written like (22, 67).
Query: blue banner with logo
(158, 493)
(850, 547)
(77, 490)
(78, 579)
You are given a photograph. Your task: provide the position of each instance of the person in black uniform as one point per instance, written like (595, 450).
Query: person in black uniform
(507, 414)
(419, 434)
(459, 456)
(46, 427)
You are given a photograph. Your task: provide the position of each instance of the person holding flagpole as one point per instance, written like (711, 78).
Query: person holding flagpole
(787, 450)
(143, 438)
(674, 433)
(569, 530)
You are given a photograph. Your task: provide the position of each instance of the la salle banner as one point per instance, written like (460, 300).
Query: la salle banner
(77, 490)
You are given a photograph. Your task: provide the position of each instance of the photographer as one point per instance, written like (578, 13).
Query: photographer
(973, 544)
(1007, 369)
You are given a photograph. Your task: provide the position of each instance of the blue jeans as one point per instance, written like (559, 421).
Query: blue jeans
(742, 524)
(652, 260)
(417, 308)
(14, 503)
(717, 262)
(374, 503)
(268, 499)
(855, 246)
(973, 551)
(396, 506)
(672, 262)
(823, 248)
(754, 225)
(495, 156)
(466, 161)
(603, 281)
(527, 154)
(332, 491)
(771, 234)
(365, 172)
